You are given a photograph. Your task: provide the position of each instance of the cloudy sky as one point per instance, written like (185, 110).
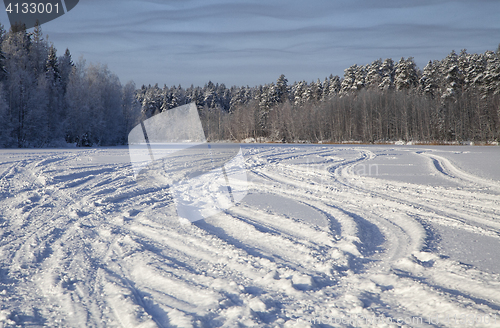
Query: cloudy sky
(252, 42)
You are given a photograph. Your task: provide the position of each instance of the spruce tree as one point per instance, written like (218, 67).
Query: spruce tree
(282, 89)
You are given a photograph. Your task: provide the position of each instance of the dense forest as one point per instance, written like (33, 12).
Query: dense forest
(49, 100)
(46, 100)
(452, 100)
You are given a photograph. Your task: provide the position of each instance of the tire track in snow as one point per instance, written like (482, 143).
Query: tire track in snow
(120, 256)
(432, 201)
(446, 212)
(403, 205)
(69, 250)
(354, 223)
(445, 167)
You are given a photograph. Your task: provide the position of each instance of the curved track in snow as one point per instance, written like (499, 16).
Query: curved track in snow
(83, 245)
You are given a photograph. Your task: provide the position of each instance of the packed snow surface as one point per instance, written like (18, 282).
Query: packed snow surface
(328, 236)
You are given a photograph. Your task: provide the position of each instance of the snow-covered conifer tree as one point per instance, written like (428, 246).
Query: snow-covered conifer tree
(491, 84)
(374, 74)
(65, 65)
(429, 82)
(326, 89)
(282, 89)
(349, 82)
(406, 76)
(387, 72)
(298, 91)
(452, 76)
(334, 85)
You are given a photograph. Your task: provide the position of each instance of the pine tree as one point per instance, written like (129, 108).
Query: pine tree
(348, 84)
(152, 101)
(308, 93)
(267, 97)
(224, 97)
(360, 78)
(317, 90)
(326, 89)
(237, 99)
(374, 74)
(334, 85)
(453, 77)
(298, 91)
(491, 75)
(406, 76)
(387, 73)
(175, 98)
(429, 82)
(209, 96)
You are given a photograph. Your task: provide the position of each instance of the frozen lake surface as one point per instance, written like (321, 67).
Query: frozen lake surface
(328, 236)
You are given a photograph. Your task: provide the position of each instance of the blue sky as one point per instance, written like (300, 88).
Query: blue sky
(252, 42)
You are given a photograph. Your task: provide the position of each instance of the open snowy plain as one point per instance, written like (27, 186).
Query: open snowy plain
(328, 236)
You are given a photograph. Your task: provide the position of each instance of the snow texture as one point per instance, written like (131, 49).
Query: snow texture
(328, 236)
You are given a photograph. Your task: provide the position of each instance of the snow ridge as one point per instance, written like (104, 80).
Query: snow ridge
(84, 245)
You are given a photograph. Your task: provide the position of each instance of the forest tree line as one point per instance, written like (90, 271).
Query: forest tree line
(48, 100)
(454, 99)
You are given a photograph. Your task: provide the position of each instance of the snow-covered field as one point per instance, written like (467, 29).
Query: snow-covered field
(328, 236)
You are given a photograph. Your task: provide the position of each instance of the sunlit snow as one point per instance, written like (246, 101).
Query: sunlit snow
(328, 236)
